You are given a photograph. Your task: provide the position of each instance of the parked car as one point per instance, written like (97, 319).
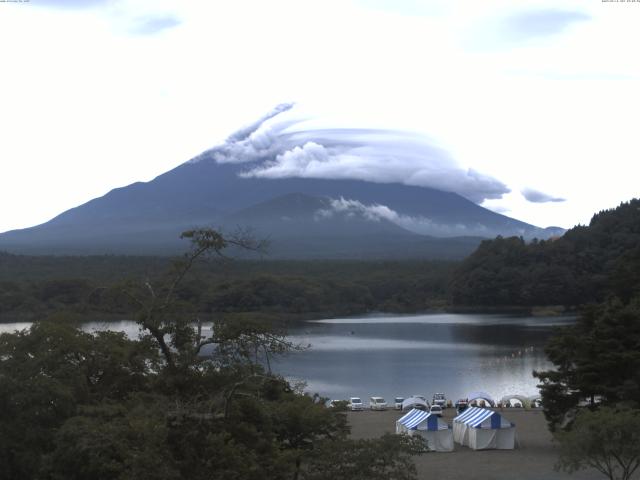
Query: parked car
(439, 399)
(341, 404)
(355, 404)
(377, 403)
(398, 403)
(436, 410)
(461, 405)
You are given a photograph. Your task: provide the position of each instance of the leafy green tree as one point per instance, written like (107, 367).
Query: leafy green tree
(47, 373)
(163, 318)
(585, 265)
(98, 405)
(114, 441)
(386, 458)
(605, 439)
(596, 358)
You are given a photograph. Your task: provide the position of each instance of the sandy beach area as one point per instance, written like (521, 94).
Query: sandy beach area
(534, 459)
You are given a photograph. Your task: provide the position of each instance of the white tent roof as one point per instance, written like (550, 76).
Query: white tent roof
(412, 402)
(525, 401)
(481, 396)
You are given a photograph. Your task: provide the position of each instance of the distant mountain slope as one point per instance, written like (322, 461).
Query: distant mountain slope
(301, 226)
(148, 217)
(581, 267)
(299, 215)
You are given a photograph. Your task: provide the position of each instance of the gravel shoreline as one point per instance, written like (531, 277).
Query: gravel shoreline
(534, 459)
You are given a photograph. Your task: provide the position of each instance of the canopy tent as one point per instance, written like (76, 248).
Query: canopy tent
(535, 401)
(481, 428)
(481, 396)
(525, 401)
(414, 402)
(436, 434)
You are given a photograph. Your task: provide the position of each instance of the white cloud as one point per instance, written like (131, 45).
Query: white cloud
(374, 213)
(304, 161)
(537, 196)
(153, 24)
(286, 146)
(417, 224)
(535, 23)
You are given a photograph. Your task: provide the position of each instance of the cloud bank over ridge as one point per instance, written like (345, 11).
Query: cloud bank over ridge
(415, 224)
(282, 144)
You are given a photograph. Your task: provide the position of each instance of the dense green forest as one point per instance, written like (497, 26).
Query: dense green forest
(585, 265)
(82, 406)
(591, 396)
(32, 286)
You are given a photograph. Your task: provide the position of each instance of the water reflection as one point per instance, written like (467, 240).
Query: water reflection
(409, 354)
(421, 354)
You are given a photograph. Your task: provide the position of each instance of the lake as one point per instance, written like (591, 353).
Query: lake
(391, 355)
(402, 355)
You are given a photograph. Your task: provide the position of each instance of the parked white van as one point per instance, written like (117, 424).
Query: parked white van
(377, 403)
(355, 404)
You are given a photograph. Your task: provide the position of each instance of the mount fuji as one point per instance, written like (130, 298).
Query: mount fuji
(299, 189)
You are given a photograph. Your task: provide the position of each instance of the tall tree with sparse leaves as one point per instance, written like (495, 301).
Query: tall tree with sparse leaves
(607, 440)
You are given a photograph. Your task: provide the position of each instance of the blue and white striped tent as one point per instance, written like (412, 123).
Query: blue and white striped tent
(477, 417)
(481, 428)
(420, 420)
(436, 433)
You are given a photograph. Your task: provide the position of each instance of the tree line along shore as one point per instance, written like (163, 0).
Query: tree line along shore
(584, 266)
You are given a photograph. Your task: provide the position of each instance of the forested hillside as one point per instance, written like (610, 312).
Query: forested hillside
(32, 286)
(583, 266)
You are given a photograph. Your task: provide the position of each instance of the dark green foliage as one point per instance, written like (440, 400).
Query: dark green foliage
(597, 357)
(47, 373)
(583, 266)
(113, 441)
(36, 286)
(82, 406)
(606, 439)
(625, 276)
(386, 458)
(66, 292)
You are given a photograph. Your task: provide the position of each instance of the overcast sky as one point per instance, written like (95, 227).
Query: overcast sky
(529, 108)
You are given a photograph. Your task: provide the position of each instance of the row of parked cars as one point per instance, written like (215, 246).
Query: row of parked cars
(356, 404)
(379, 403)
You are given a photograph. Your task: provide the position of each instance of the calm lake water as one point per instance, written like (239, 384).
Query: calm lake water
(421, 354)
(390, 356)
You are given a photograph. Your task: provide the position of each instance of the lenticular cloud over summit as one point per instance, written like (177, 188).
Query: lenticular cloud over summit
(282, 144)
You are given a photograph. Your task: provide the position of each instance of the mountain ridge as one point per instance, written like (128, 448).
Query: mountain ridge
(149, 216)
